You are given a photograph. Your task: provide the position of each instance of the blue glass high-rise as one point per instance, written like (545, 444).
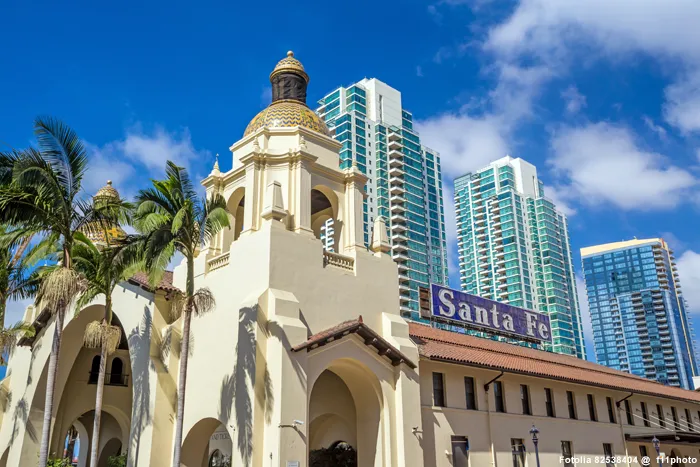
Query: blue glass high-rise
(405, 183)
(639, 316)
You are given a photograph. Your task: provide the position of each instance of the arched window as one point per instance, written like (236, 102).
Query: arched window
(94, 370)
(116, 376)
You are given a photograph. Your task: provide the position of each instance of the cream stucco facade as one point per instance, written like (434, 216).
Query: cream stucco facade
(271, 375)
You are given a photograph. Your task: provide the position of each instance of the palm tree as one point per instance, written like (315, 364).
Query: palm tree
(103, 267)
(174, 219)
(40, 191)
(17, 282)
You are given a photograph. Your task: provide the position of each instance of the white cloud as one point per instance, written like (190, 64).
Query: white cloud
(658, 129)
(106, 163)
(602, 163)
(548, 28)
(682, 108)
(465, 143)
(586, 322)
(419, 71)
(575, 101)
(558, 198)
(153, 150)
(555, 32)
(689, 271)
(122, 160)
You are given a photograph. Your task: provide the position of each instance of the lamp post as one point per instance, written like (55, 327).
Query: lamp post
(534, 431)
(657, 445)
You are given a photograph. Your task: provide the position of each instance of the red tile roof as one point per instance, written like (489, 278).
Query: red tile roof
(355, 326)
(166, 283)
(446, 346)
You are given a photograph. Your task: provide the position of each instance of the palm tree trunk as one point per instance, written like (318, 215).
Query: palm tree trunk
(50, 385)
(95, 449)
(184, 354)
(3, 305)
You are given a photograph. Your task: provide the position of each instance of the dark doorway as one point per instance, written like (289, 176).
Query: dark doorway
(339, 454)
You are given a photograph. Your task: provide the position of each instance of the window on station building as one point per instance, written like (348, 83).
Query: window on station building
(628, 413)
(571, 402)
(460, 451)
(470, 390)
(689, 420)
(549, 402)
(608, 454)
(438, 389)
(645, 414)
(674, 416)
(660, 412)
(643, 451)
(525, 399)
(499, 397)
(518, 448)
(567, 453)
(592, 413)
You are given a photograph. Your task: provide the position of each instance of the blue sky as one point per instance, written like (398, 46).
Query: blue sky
(604, 97)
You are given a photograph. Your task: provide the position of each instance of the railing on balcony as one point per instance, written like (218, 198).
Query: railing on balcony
(338, 260)
(218, 261)
(111, 379)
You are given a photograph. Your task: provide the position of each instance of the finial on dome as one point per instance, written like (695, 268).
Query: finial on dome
(215, 170)
(289, 80)
(107, 191)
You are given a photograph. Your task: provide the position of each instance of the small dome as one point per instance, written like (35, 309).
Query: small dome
(287, 114)
(290, 64)
(95, 231)
(107, 191)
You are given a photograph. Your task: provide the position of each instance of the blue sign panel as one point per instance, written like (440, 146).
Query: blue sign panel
(488, 315)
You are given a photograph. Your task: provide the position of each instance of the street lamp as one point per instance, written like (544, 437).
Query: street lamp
(657, 445)
(534, 431)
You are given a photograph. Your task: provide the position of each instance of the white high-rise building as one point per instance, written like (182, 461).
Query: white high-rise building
(514, 247)
(404, 180)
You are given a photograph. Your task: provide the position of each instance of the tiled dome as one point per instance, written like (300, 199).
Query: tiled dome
(288, 108)
(290, 64)
(287, 114)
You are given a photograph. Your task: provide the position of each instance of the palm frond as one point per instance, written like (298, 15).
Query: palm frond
(203, 301)
(98, 333)
(10, 336)
(64, 150)
(59, 288)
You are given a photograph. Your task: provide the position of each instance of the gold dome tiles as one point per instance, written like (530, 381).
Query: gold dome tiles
(288, 114)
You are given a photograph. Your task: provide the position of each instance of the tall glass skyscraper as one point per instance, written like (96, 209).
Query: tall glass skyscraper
(514, 247)
(405, 183)
(640, 321)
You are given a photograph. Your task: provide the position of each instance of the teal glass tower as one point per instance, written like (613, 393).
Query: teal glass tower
(405, 183)
(640, 320)
(514, 247)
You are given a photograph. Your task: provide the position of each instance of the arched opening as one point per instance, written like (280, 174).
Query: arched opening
(113, 448)
(94, 370)
(116, 376)
(75, 392)
(676, 456)
(345, 416)
(236, 209)
(3, 459)
(208, 443)
(324, 206)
